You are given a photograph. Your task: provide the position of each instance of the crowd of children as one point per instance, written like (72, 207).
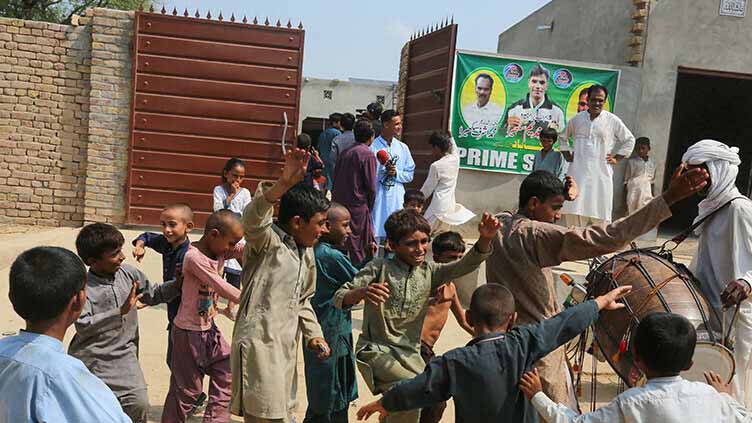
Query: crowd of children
(297, 278)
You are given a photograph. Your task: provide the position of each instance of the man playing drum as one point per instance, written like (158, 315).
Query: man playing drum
(530, 244)
(723, 262)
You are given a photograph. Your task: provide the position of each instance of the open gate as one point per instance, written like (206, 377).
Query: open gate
(430, 65)
(205, 91)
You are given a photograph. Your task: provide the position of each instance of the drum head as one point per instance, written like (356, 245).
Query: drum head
(711, 357)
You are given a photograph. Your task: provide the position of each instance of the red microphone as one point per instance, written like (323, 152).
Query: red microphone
(383, 157)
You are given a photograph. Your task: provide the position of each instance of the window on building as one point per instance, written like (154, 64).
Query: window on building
(381, 99)
(327, 94)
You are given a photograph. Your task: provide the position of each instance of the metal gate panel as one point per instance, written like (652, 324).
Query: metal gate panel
(429, 79)
(205, 91)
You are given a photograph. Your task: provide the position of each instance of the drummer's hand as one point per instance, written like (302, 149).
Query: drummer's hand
(735, 292)
(610, 301)
(530, 384)
(683, 184)
(716, 382)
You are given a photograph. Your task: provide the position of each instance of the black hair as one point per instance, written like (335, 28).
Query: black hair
(491, 305)
(665, 342)
(230, 165)
(550, 133)
(484, 76)
(334, 118)
(643, 141)
(375, 109)
(303, 201)
(43, 280)
(363, 131)
(221, 220)
(404, 223)
(415, 195)
(448, 241)
(539, 70)
(304, 141)
(441, 140)
(96, 239)
(541, 184)
(347, 121)
(597, 87)
(185, 210)
(388, 115)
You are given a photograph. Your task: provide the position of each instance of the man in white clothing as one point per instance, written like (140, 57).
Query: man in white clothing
(443, 212)
(664, 344)
(483, 115)
(723, 262)
(600, 140)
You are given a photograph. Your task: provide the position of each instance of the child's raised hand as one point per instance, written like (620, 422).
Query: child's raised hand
(296, 164)
(368, 410)
(716, 382)
(139, 253)
(132, 299)
(489, 226)
(530, 384)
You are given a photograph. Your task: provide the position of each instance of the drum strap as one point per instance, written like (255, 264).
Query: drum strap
(682, 236)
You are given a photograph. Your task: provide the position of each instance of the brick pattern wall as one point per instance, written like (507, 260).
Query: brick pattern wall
(64, 119)
(402, 83)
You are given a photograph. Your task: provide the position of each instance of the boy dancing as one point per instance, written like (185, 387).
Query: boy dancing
(482, 376)
(397, 291)
(106, 337)
(279, 279)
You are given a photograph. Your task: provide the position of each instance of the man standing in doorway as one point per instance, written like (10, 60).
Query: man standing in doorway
(600, 140)
(324, 145)
(393, 174)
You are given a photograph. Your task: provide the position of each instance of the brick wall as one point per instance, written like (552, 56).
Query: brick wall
(64, 119)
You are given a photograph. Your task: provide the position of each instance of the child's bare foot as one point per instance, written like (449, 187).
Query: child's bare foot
(228, 313)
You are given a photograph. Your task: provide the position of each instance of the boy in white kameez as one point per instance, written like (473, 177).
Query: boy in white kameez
(664, 344)
(640, 176)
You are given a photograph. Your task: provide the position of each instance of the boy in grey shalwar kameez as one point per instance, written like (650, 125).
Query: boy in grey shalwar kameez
(106, 339)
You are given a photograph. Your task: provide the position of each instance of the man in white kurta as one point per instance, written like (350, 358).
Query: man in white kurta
(600, 140)
(391, 179)
(483, 115)
(723, 262)
(443, 212)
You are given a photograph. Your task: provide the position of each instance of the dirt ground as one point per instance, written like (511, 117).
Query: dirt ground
(153, 336)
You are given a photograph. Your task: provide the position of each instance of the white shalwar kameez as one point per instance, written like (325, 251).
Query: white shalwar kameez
(724, 252)
(592, 141)
(441, 184)
(639, 180)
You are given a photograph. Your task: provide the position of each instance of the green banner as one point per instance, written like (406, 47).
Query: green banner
(500, 106)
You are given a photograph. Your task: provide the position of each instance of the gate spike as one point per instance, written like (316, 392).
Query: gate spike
(220, 17)
(300, 25)
(151, 8)
(163, 10)
(232, 17)
(245, 19)
(255, 21)
(208, 15)
(445, 21)
(452, 19)
(266, 22)
(279, 24)
(289, 23)
(174, 11)
(197, 15)
(185, 13)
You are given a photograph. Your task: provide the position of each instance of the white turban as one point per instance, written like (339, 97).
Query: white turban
(722, 162)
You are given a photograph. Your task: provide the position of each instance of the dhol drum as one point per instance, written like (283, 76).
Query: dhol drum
(658, 285)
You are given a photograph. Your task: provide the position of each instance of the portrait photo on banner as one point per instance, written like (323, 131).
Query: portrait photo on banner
(501, 104)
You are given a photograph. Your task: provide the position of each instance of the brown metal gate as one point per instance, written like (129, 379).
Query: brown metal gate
(427, 95)
(205, 91)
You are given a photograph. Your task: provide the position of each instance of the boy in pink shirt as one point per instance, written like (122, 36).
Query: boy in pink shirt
(198, 347)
